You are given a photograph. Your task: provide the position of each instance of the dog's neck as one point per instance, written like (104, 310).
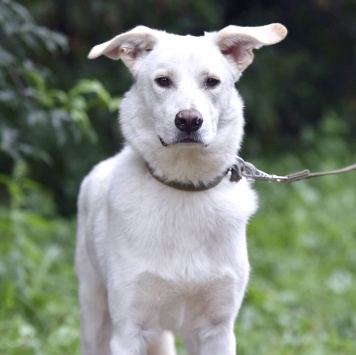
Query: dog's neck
(192, 187)
(190, 167)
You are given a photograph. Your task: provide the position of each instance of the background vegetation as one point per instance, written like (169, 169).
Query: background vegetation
(57, 120)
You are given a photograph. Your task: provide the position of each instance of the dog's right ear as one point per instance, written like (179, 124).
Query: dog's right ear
(129, 46)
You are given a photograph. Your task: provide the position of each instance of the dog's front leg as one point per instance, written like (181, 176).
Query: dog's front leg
(128, 340)
(218, 339)
(135, 326)
(211, 331)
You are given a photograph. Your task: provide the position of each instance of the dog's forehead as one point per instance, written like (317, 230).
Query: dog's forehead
(171, 50)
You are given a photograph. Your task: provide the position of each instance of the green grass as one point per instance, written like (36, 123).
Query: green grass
(301, 297)
(38, 308)
(302, 244)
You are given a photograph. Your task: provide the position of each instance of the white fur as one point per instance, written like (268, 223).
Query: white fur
(151, 258)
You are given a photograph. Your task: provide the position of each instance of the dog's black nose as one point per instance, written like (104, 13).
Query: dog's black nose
(188, 121)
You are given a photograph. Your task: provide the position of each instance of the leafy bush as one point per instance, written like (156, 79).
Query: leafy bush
(21, 79)
(37, 120)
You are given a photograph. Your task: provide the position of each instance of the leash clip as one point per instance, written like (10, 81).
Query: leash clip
(251, 173)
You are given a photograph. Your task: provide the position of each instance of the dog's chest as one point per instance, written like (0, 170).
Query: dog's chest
(177, 234)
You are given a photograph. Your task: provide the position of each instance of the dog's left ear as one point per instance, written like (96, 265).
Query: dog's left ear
(238, 43)
(129, 46)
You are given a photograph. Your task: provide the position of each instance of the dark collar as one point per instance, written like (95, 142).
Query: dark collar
(187, 186)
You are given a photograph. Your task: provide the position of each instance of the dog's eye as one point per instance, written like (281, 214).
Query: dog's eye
(163, 81)
(212, 82)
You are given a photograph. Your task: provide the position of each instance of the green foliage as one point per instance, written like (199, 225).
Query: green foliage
(28, 103)
(40, 123)
(22, 82)
(39, 311)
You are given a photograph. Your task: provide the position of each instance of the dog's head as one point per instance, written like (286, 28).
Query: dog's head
(184, 85)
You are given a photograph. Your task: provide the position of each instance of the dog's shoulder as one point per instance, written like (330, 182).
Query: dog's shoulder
(96, 184)
(108, 175)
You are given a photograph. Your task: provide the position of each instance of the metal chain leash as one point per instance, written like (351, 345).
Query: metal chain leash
(250, 172)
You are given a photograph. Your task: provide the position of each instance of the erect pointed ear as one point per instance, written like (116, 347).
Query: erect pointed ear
(237, 43)
(128, 46)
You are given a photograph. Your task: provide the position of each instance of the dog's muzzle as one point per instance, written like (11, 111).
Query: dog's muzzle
(188, 122)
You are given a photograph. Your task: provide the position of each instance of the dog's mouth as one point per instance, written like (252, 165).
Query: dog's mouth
(191, 140)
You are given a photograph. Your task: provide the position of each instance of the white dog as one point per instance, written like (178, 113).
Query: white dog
(161, 242)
